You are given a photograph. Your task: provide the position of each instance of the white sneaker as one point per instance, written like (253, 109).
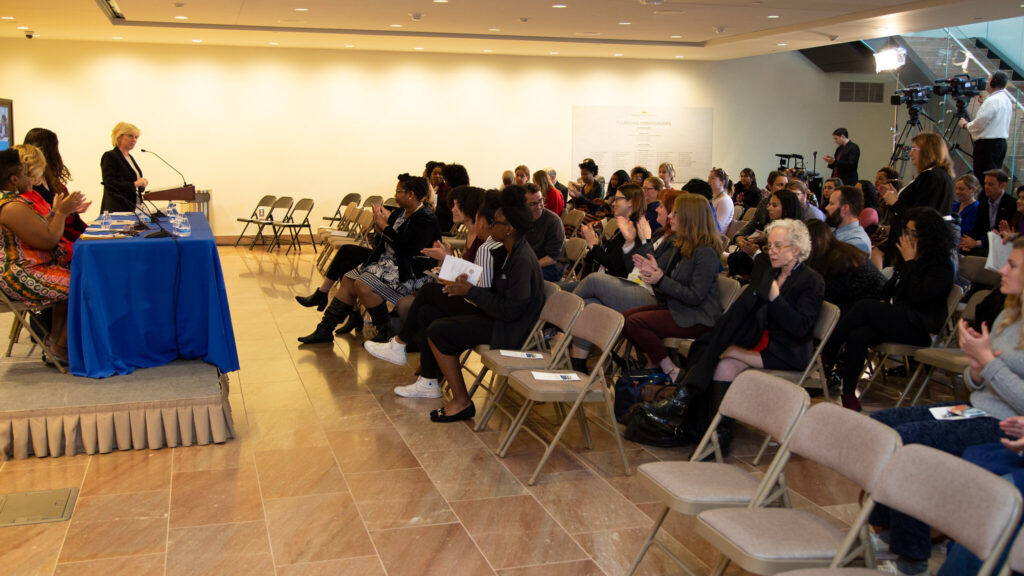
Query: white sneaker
(390, 351)
(421, 388)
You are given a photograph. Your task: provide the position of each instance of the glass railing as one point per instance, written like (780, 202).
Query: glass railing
(951, 51)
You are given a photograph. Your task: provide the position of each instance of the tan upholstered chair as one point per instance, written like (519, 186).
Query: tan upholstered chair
(765, 402)
(728, 291)
(969, 504)
(572, 220)
(1015, 560)
(560, 309)
(601, 326)
(575, 250)
(772, 540)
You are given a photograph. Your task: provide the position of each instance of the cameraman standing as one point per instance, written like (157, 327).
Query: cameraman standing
(991, 126)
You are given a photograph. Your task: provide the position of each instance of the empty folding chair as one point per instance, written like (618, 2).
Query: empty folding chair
(965, 502)
(262, 206)
(575, 250)
(772, 540)
(601, 326)
(572, 220)
(340, 210)
(729, 290)
(560, 309)
(278, 211)
(765, 402)
(371, 200)
(297, 219)
(972, 269)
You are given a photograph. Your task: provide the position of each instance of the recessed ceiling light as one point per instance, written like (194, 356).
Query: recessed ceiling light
(7, 17)
(272, 43)
(181, 17)
(440, 1)
(486, 50)
(676, 36)
(558, 5)
(624, 23)
(680, 56)
(197, 40)
(781, 44)
(22, 27)
(418, 48)
(350, 45)
(302, 9)
(395, 25)
(116, 38)
(616, 54)
(774, 16)
(668, 12)
(494, 29)
(553, 53)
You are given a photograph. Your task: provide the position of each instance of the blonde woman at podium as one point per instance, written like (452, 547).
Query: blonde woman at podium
(122, 177)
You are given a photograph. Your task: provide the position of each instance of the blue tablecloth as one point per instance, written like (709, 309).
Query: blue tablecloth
(133, 306)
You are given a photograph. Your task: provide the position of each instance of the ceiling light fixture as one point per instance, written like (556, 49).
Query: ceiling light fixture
(418, 48)
(181, 17)
(6, 17)
(676, 36)
(558, 6)
(616, 55)
(494, 29)
(22, 27)
(350, 45)
(273, 43)
(395, 25)
(553, 53)
(781, 44)
(774, 16)
(680, 56)
(197, 41)
(116, 38)
(624, 23)
(302, 9)
(890, 59)
(440, 1)
(486, 50)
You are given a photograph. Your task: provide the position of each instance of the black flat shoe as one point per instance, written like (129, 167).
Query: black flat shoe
(318, 299)
(465, 414)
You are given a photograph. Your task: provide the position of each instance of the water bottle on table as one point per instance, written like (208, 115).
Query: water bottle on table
(184, 226)
(105, 221)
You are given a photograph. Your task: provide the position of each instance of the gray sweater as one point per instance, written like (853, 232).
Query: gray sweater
(1001, 395)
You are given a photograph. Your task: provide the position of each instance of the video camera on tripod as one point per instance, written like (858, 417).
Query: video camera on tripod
(913, 95)
(962, 88)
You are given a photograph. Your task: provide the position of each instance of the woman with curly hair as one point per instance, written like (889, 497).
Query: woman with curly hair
(913, 302)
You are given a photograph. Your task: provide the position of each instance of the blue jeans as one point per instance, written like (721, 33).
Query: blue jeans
(910, 538)
(552, 273)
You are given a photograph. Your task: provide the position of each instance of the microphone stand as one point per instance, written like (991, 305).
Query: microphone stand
(184, 182)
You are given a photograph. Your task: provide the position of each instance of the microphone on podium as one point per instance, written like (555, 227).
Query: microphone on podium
(183, 181)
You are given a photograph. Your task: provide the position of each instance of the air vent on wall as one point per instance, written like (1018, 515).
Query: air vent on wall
(861, 92)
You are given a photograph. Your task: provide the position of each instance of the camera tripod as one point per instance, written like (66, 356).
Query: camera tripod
(901, 149)
(954, 131)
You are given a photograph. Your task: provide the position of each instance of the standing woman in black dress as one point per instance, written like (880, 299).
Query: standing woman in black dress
(122, 177)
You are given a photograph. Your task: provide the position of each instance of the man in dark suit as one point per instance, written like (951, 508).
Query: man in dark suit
(993, 209)
(847, 156)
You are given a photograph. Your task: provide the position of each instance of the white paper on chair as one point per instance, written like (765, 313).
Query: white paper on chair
(453, 267)
(521, 354)
(556, 376)
(961, 412)
(998, 252)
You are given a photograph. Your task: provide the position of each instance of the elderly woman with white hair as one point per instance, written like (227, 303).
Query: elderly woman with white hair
(770, 326)
(122, 177)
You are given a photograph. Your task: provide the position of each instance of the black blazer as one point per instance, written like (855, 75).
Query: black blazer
(515, 297)
(791, 316)
(119, 192)
(419, 231)
(933, 187)
(1005, 211)
(610, 254)
(922, 288)
(845, 167)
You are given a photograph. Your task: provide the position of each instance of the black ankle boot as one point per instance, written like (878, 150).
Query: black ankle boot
(318, 299)
(379, 317)
(579, 364)
(354, 322)
(324, 332)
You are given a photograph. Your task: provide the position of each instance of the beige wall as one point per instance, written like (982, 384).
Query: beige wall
(246, 122)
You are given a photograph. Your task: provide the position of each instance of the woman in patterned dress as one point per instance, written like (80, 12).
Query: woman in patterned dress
(29, 271)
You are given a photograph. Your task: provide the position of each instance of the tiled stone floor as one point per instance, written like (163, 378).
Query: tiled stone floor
(332, 474)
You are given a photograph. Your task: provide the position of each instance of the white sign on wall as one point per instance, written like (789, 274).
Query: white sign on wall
(618, 137)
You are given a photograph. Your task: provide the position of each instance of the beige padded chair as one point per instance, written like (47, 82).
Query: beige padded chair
(773, 540)
(728, 291)
(972, 269)
(339, 212)
(969, 504)
(734, 228)
(765, 402)
(572, 220)
(887, 350)
(609, 228)
(749, 214)
(575, 250)
(371, 200)
(561, 309)
(1015, 560)
(601, 326)
(951, 361)
(827, 321)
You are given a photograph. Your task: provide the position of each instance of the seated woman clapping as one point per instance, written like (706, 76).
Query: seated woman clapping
(612, 256)
(505, 312)
(29, 269)
(995, 377)
(685, 286)
(913, 301)
(770, 326)
(34, 161)
(396, 266)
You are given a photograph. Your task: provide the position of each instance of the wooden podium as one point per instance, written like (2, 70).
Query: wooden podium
(186, 192)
